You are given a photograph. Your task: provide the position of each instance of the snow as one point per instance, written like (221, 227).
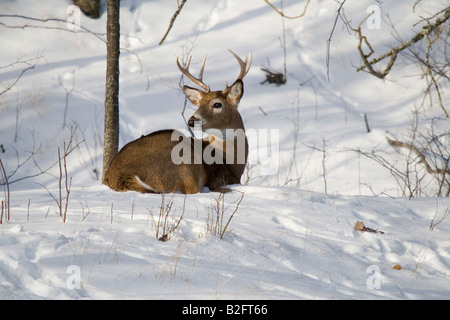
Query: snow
(289, 239)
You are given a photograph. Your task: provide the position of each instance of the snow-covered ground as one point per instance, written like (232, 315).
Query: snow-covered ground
(283, 244)
(293, 235)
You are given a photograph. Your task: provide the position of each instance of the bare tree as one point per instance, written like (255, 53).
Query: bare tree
(111, 133)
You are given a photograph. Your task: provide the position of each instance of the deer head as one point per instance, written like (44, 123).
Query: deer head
(216, 109)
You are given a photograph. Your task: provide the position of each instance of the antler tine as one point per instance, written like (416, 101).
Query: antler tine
(245, 66)
(199, 80)
(200, 75)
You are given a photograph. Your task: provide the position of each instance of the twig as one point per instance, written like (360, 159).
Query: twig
(366, 122)
(20, 76)
(7, 193)
(28, 210)
(41, 172)
(281, 13)
(172, 21)
(68, 184)
(62, 164)
(430, 72)
(95, 34)
(419, 154)
(132, 209)
(68, 93)
(216, 212)
(163, 224)
(59, 183)
(434, 223)
(231, 216)
(98, 35)
(364, 56)
(284, 41)
(338, 14)
(324, 159)
(263, 112)
(82, 210)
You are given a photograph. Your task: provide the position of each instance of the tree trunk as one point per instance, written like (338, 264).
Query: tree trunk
(111, 134)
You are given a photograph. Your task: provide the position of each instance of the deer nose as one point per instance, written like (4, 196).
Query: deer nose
(191, 122)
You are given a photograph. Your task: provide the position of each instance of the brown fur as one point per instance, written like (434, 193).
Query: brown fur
(145, 164)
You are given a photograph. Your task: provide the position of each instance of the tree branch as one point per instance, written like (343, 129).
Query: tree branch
(172, 21)
(95, 34)
(393, 52)
(338, 14)
(281, 13)
(20, 76)
(419, 154)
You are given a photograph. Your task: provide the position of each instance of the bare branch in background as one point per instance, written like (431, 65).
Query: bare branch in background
(420, 155)
(172, 21)
(393, 53)
(428, 29)
(430, 72)
(7, 193)
(421, 167)
(338, 14)
(31, 67)
(68, 93)
(273, 76)
(281, 13)
(83, 29)
(64, 182)
(78, 29)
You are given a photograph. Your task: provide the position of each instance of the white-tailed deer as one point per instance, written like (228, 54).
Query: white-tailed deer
(168, 161)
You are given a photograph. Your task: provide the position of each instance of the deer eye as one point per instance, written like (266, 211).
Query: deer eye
(217, 105)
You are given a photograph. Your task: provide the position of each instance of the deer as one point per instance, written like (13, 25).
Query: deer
(169, 161)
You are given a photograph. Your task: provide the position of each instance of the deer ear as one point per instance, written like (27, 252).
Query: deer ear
(194, 95)
(235, 92)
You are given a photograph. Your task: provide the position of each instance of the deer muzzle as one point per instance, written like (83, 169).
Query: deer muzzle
(192, 120)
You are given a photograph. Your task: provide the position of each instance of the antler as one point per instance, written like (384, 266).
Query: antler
(199, 80)
(245, 66)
